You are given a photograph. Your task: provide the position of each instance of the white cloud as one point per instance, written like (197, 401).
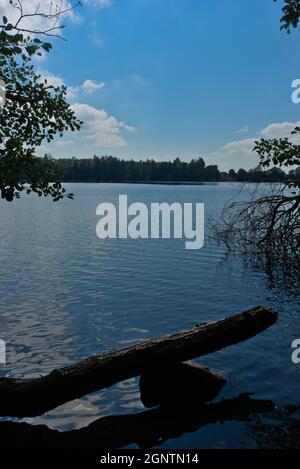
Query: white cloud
(129, 128)
(97, 40)
(99, 128)
(279, 130)
(239, 146)
(134, 81)
(243, 130)
(64, 143)
(99, 3)
(53, 80)
(56, 80)
(239, 153)
(72, 92)
(90, 86)
(138, 79)
(274, 130)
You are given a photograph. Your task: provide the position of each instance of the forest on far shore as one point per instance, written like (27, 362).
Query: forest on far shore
(113, 169)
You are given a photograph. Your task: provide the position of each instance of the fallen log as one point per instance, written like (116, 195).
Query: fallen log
(146, 429)
(32, 397)
(183, 384)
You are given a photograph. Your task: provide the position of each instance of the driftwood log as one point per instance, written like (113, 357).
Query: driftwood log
(32, 397)
(146, 429)
(183, 384)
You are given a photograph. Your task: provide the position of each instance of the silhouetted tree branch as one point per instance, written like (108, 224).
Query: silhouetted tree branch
(50, 14)
(268, 225)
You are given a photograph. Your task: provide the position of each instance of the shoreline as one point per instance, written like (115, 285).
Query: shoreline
(153, 183)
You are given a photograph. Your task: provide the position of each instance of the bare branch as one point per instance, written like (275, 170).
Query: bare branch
(264, 225)
(52, 16)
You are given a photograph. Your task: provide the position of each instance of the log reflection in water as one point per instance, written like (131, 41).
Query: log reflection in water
(146, 429)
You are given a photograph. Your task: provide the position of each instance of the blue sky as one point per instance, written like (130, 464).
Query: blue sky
(176, 78)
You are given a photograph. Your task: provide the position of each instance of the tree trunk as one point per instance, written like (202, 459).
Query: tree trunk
(32, 397)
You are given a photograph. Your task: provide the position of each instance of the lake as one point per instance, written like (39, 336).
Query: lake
(65, 295)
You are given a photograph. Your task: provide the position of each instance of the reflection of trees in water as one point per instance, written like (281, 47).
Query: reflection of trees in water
(282, 278)
(277, 429)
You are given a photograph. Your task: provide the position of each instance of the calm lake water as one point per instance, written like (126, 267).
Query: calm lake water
(65, 294)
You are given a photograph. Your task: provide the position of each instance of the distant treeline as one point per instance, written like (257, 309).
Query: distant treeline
(112, 169)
